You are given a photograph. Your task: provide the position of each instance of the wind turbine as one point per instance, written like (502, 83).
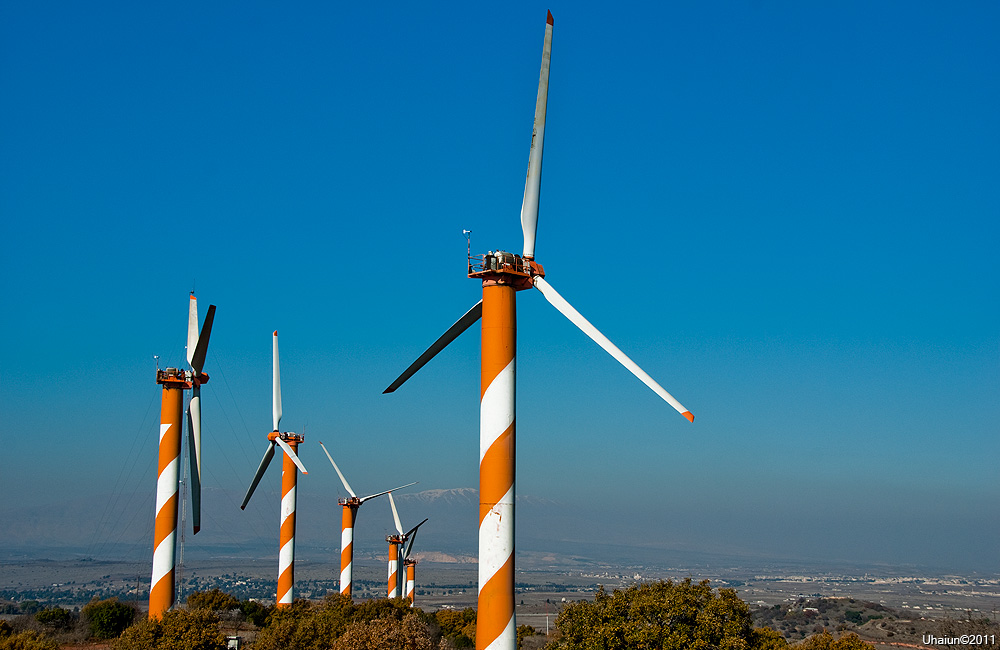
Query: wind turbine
(289, 443)
(398, 559)
(503, 274)
(175, 381)
(350, 513)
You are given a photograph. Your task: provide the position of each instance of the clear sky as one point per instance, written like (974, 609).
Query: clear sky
(786, 213)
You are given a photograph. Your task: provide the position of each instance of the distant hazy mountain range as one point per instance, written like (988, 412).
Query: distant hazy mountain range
(106, 528)
(548, 533)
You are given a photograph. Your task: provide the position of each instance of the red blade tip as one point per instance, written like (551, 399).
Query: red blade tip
(549, 19)
(688, 415)
(275, 332)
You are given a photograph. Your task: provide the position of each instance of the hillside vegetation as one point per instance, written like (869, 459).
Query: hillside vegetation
(662, 615)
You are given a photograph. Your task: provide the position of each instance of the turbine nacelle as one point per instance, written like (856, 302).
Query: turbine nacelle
(503, 267)
(186, 377)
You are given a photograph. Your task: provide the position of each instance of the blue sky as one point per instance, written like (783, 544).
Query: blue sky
(787, 214)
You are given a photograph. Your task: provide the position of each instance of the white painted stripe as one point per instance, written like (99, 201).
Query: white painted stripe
(287, 505)
(166, 484)
(345, 578)
(286, 598)
(496, 538)
(163, 559)
(163, 430)
(286, 556)
(496, 411)
(346, 539)
(507, 639)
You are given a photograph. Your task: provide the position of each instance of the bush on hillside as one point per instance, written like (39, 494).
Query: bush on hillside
(28, 640)
(178, 630)
(661, 615)
(108, 618)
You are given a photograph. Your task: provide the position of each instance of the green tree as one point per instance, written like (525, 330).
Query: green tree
(107, 618)
(459, 627)
(178, 630)
(31, 607)
(29, 640)
(56, 618)
(215, 600)
(666, 615)
(254, 612)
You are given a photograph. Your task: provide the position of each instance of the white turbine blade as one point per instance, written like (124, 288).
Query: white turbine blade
(533, 182)
(201, 348)
(287, 448)
(372, 496)
(339, 473)
(453, 332)
(395, 515)
(276, 385)
(413, 531)
(265, 461)
(194, 453)
(192, 327)
(567, 310)
(410, 536)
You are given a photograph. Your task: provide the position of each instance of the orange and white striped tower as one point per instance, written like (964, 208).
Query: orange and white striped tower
(161, 591)
(175, 382)
(495, 626)
(410, 566)
(394, 582)
(347, 545)
(398, 562)
(290, 466)
(348, 517)
(286, 548)
(502, 275)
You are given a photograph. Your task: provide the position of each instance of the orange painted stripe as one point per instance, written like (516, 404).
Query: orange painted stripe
(171, 412)
(347, 517)
(495, 598)
(285, 581)
(288, 529)
(161, 596)
(499, 312)
(496, 482)
(345, 556)
(688, 415)
(166, 520)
